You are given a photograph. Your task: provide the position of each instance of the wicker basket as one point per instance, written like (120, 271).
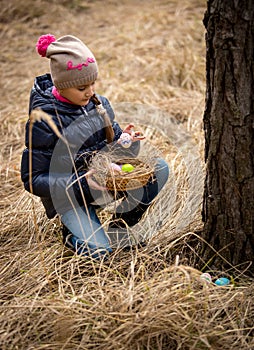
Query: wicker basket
(122, 181)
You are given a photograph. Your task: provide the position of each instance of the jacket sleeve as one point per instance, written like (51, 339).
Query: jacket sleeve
(49, 179)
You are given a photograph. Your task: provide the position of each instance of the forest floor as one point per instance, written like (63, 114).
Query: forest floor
(151, 57)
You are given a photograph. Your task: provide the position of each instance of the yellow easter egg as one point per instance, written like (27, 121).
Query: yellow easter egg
(127, 168)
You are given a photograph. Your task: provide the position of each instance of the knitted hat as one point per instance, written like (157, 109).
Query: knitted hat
(71, 62)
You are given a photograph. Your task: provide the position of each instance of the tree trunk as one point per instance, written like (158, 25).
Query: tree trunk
(228, 206)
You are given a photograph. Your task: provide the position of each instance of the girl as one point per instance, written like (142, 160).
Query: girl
(77, 124)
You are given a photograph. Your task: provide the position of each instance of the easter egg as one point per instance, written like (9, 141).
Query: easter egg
(222, 281)
(206, 276)
(115, 167)
(125, 140)
(127, 168)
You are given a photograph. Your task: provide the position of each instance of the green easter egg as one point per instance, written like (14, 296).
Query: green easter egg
(127, 168)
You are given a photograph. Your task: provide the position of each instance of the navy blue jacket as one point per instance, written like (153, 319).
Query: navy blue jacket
(55, 164)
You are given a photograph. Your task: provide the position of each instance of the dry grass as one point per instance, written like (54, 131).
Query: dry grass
(151, 56)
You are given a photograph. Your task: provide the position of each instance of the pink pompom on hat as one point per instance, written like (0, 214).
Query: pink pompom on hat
(72, 64)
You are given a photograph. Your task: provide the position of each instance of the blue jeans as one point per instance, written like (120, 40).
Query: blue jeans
(88, 236)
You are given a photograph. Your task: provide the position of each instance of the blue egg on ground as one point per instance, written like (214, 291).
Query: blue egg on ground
(222, 281)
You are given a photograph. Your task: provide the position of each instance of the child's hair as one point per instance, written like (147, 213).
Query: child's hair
(108, 127)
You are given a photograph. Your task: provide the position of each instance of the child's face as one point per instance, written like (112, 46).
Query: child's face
(79, 95)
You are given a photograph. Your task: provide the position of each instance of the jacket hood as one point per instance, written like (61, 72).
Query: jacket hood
(41, 91)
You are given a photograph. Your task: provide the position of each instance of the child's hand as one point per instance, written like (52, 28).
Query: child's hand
(135, 135)
(138, 136)
(92, 183)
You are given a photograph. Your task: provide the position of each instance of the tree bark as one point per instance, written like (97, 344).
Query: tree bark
(228, 205)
